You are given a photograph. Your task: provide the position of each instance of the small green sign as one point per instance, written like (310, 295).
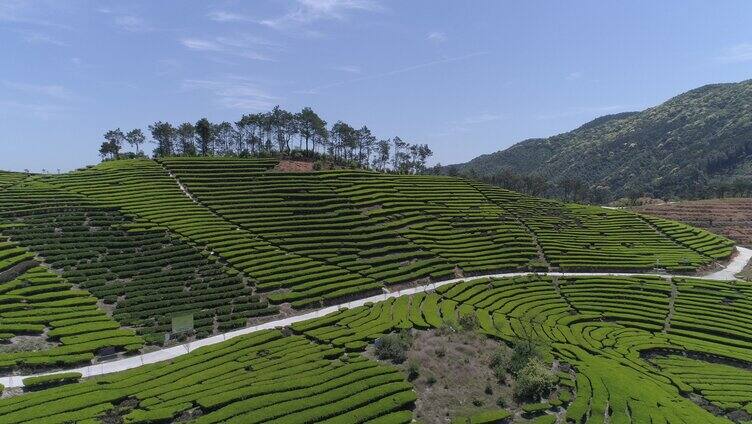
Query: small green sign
(182, 323)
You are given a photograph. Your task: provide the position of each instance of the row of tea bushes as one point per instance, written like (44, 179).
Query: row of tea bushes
(316, 238)
(601, 326)
(390, 228)
(262, 377)
(619, 371)
(575, 237)
(146, 192)
(147, 275)
(46, 322)
(7, 179)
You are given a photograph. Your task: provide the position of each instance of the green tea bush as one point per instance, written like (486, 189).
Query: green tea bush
(534, 380)
(51, 379)
(393, 347)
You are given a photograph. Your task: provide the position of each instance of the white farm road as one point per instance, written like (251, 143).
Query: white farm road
(738, 262)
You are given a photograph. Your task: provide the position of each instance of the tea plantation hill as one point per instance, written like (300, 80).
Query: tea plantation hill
(312, 238)
(102, 258)
(230, 239)
(685, 148)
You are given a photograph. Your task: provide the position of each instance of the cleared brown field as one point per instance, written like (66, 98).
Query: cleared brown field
(728, 217)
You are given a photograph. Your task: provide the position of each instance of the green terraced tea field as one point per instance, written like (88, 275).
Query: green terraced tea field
(95, 264)
(637, 347)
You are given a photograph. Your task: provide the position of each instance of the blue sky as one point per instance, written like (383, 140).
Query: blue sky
(465, 77)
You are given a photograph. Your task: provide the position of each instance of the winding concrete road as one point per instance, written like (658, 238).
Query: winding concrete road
(738, 262)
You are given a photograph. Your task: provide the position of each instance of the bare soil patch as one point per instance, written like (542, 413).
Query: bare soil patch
(294, 166)
(731, 218)
(454, 375)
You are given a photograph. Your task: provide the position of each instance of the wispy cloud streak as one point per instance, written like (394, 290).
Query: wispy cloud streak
(53, 91)
(393, 72)
(239, 45)
(307, 11)
(234, 93)
(436, 37)
(737, 54)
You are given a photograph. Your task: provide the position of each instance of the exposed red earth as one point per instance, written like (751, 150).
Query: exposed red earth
(731, 218)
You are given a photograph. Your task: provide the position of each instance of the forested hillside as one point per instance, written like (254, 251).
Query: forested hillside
(694, 145)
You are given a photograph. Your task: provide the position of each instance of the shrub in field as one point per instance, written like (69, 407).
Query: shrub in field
(393, 347)
(534, 380)
(413, 370)
(468, 322)
(522, 352)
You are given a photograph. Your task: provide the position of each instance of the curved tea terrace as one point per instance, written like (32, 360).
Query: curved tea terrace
(738, 262)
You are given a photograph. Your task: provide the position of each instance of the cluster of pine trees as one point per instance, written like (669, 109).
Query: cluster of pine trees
(274, 133)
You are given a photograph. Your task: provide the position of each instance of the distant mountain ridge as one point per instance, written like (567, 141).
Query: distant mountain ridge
(693, 145)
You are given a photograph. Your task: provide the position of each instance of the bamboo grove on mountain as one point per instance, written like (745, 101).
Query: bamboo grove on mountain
(273, 134)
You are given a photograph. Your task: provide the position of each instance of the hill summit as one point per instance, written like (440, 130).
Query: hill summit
(696, 144)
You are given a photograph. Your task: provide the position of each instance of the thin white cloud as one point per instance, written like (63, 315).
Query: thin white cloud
(201, 45)
(124, 18)
(239, 45)
(224, 16)
(30, 13)
(246, 40)
(308, 11)
(132, 23)
(574, 76)
(350, 69)
(436, 37)
(482, 118)
(737, 54)
(398, 71)
(234, 93)
(53, 91)
(34, 37)
(39, 110)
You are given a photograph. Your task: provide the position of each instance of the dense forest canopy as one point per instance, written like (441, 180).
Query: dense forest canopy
(697, 144)
(273, 133)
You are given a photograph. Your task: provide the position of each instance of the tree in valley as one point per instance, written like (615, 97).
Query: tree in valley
(573, 189)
